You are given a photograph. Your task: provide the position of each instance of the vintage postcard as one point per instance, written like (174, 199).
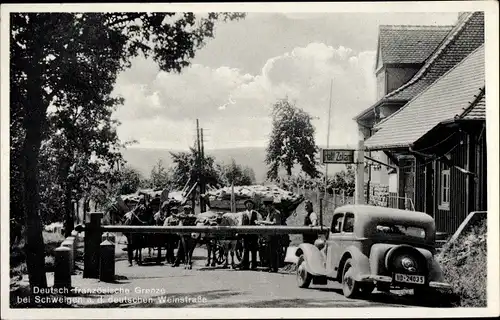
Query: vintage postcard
(250, 160)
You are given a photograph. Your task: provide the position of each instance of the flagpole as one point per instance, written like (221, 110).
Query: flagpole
(328, 134)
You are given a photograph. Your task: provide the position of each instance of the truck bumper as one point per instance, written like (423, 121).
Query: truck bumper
(372, 278)
(387, 279)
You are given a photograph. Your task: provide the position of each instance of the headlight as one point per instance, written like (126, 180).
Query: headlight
(319, 243)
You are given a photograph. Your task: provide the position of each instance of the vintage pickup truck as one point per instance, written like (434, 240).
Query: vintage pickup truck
(370, 247)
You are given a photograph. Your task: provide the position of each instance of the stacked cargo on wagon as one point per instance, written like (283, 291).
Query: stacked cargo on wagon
(286, 202)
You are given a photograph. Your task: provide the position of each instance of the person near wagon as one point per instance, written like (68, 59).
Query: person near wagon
(273, 218)
(162, 214)
(172, 238)
(250, 241)
(310, 220)
(187, 212)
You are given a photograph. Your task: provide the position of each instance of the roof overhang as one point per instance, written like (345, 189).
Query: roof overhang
(444, 127)
(371, 110)
(387, 147)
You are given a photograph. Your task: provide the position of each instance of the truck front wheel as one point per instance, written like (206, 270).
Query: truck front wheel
(303, 277)
(350, 287)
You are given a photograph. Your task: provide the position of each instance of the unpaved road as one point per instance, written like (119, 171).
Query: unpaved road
(164, 286)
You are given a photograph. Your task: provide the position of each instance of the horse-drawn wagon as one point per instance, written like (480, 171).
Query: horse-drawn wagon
(234, 198)
(227, 202)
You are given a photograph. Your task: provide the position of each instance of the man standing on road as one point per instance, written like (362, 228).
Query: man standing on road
(181, 250)
(273, 218)
(172, 238)
(310, 220)
(250, 217)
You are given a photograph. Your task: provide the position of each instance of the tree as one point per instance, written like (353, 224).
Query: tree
(68, 59)
(292, 141)
(86, 145)
(343, 180)
(249, 173)
(160, 177)
(130, 180)
(234, 173)
(186, 169)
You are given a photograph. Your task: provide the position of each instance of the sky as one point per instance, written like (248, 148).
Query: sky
(237, 76)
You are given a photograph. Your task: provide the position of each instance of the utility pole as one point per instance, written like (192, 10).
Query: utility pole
(360, 171)
(328, 135)
(202, 182)
(198, 158)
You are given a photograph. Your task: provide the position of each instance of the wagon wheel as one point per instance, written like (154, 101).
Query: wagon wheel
(220, 254)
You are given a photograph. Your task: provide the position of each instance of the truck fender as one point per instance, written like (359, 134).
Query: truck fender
(361, 263)
(314, 260)
(435, 271)
(377, 257)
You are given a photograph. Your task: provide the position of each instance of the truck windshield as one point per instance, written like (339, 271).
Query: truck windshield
(401, 230)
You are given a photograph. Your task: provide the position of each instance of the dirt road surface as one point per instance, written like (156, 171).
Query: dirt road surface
(157, 286)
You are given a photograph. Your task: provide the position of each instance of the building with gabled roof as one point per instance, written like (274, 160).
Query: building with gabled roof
(429, 130)
(428, 109)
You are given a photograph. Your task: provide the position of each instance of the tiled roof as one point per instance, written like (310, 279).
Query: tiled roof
(409, 44)
(477, 111)
(466, 36)
(448, 97)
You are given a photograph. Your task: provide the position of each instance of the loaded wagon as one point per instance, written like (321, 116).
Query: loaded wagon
(219, 201)
(233, 199)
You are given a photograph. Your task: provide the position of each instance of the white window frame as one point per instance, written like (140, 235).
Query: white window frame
(444, 188)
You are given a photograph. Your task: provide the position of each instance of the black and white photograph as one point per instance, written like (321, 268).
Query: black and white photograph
(249, 160)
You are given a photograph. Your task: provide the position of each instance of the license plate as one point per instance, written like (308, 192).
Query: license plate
(407, 278)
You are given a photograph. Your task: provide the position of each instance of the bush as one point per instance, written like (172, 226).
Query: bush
(18, 258)
(465, 266)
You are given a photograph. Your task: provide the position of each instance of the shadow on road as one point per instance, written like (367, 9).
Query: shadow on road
(291, 303)
(391, 298)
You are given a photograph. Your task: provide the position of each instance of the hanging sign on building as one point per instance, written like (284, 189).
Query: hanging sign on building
(345, 156)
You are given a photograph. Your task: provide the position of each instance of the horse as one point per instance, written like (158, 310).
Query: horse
(229, 245)
(207, 219)
(135, 241)
(188, 242)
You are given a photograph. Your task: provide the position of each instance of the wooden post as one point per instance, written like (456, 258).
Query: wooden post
(360, 172)
(70, 244)
(233, 200)
(321, 212)
(92, 248)
(318, 192)
(429, 202)
(62, 272)
(107, 261)
(203, 205)
(401, 188)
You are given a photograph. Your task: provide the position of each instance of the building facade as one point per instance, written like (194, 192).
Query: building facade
(428, 126)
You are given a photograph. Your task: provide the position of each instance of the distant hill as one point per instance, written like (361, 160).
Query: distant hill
(144, 159)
